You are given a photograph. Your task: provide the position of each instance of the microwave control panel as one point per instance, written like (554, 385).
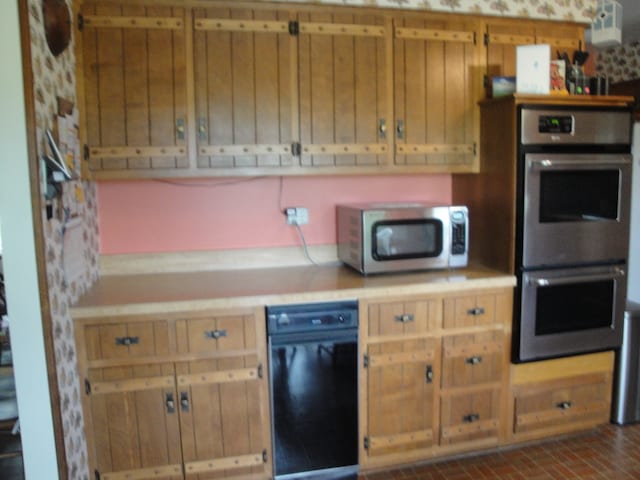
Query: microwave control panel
(458, 233)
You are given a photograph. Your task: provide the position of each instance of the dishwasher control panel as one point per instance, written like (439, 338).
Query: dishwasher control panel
(312, 317)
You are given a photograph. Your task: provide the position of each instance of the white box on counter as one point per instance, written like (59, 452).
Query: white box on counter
(532, 68)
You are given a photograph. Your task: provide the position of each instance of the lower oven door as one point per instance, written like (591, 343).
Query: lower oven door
(576, 208)
(569, 311)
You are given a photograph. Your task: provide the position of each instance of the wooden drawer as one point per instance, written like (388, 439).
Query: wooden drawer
(110, 341)
(477, 310)
(403, 318)
(563, 403)
(217, 333)
(472, 359)
(470, 416)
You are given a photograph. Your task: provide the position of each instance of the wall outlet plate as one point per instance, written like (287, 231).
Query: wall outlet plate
(297, 215)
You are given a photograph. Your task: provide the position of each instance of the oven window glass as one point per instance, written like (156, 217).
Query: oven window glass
(573, 307)
(577, 196)
(400, 239)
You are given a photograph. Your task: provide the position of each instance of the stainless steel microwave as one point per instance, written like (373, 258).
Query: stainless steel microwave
(393, 237)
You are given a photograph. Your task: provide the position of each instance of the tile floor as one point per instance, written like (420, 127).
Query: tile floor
(607, 453)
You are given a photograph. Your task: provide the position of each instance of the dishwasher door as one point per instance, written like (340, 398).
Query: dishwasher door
(314, 397)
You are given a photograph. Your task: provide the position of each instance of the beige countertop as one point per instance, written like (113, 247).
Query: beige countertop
(190, 291)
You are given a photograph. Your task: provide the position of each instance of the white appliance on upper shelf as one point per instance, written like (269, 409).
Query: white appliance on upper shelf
(633, 285)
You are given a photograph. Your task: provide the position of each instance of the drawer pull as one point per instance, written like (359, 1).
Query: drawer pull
(404, 318)
(170, 404)
(564, 405)
(472, 417)
(429, 374)
(475, 360)
(184, 401)
(215, 334)
(475, 311)
(126, 341)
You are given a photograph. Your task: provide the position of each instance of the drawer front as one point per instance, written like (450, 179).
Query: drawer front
(477, 310)
(471, 416)
(472, 359)
(223, 333)
(127, 340)
(403, 318)
(563, 402)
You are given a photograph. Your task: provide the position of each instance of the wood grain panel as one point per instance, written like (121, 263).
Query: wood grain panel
(470, 416)
(472, 359)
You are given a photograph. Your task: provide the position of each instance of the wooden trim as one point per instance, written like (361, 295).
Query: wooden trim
(133, 385)
(508, 39)
(164, 358)
(385, 359)
(408, 149)
(226, 463)
(345, 149)
(142, 151)
(192, 142)
(559, 414)
(437, 35)
(144, 473)
(561, 368)
(342, 29)
(249, 149)
(568, 43)
(227, 376)
(472, 349)
(99, 21)
(469, 428)
(39, 237)
(225, 25)
(395, 440)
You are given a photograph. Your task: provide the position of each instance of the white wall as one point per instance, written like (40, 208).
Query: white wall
(19, 260)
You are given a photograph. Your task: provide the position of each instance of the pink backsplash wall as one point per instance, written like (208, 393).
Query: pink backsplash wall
(188, 215)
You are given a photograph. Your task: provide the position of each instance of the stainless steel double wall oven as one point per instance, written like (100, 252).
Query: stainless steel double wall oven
(572, 229)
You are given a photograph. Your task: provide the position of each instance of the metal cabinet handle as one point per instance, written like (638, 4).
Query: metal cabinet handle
(184, 401)
(382, 128)
(202, 129)
(180, 128)
(472, 417)
(400, 129)
(404, 318)
(169, 403)
(475, 360)
(476, 311)
(550, 282)
(564, 405)
(126, 341)
(215, 334)
(429, 374)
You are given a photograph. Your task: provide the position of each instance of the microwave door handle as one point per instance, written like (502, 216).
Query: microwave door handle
(549, 164)
(550, 282)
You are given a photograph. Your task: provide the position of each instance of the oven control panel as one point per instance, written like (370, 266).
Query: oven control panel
(556, 124)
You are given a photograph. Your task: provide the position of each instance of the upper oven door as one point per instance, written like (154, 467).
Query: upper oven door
(576, 208)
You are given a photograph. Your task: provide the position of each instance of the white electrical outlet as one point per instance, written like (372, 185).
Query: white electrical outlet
(297, 215)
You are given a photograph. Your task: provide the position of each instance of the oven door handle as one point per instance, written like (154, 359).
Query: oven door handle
(549, 164)
(593, 277)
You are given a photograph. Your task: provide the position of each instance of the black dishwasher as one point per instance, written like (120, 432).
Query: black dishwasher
(313, 362)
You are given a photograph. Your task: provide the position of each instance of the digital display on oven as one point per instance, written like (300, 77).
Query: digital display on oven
(555, 124)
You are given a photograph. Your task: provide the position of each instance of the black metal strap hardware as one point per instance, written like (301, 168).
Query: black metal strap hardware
(429, 374)
(564, 405)
(472, 417)
(215, 334)
(265, 458)
(475, 311)
(126, 341)
(169, 403)
(294, 28)
(404, 318)
(475, 360)
(184, 401)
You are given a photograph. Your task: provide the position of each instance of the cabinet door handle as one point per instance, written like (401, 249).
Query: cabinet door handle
(429, 374)
(180, 128)
(475, 360)
(400, 129)
(472, 417)
(404, 318)
(169, 403)
(184, 401)
(382, 128)
(564, 405)
(202, 129)
(475, 311)
(126, 341)
(215, 334)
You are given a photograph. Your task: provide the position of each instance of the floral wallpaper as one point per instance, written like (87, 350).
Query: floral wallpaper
(620, 63)
(55, 77)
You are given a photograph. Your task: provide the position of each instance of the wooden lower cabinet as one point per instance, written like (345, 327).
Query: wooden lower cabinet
(560, 396)
(198, 410)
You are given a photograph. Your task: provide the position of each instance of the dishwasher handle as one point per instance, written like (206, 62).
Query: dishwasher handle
(336, 336)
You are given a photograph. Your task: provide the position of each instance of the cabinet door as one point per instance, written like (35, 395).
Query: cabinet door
(126, 340)
(244, 88)
(469, 417)
(479, 309)
(436, 91)
(396, 319)
(223, 396)
(401, 389)
(472, 359)
(344, 81)
(134, 422)
(134, 84)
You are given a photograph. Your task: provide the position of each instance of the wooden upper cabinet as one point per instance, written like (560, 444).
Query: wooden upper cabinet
(244, 88)
(344, 98)
(436, 63)
(134, 87)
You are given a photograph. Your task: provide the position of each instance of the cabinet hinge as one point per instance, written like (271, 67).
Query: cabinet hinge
(485, 81)
(366, 443)
(294, 27)
(87, 386)
(486, 39)
(475, 149)
(475, 38)
(96, 475)
(366, 361)
(296, 149)
(85, 152)
(265, 458)
(260, 370)
(80, 22)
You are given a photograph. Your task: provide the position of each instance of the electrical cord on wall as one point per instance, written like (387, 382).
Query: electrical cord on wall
(304, 245)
